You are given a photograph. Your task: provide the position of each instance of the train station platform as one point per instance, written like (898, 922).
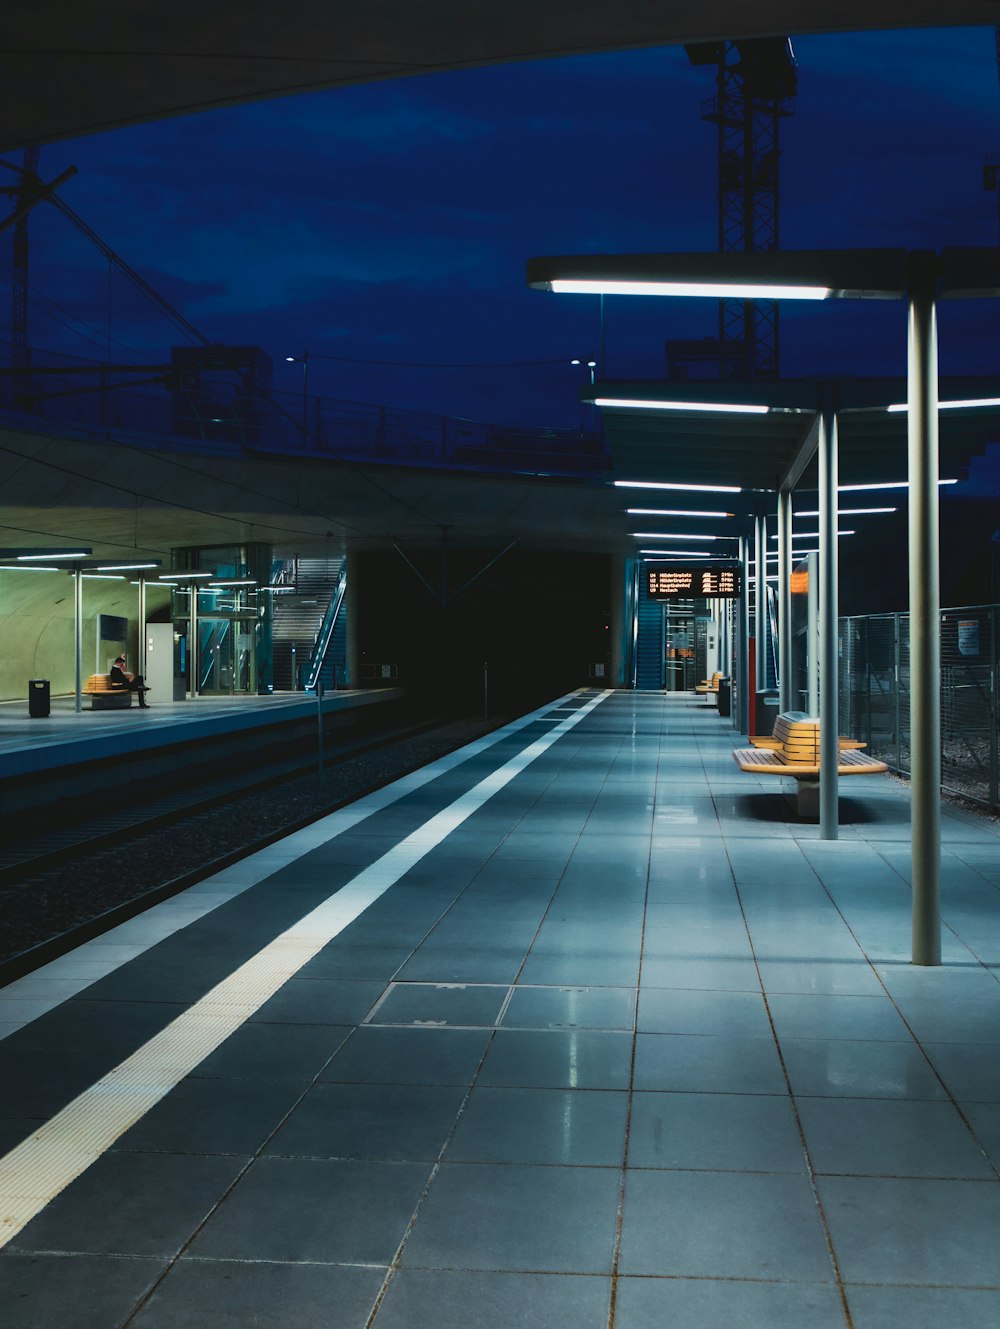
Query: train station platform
(50, 762)
(67, 736)
(575, 1027)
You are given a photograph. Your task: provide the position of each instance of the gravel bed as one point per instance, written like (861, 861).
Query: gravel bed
(61, 898)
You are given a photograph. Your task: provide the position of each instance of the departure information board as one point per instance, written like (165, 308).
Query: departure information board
(678, 582)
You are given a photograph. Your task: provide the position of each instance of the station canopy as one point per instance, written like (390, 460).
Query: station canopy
(774, 443)
(72, 67)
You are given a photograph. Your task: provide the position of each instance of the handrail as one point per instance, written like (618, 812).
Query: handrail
(325, 634)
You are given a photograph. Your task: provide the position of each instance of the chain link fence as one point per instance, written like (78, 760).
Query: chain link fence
(875, 694)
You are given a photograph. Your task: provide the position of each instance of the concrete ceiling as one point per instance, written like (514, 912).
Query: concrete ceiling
(71, 67)
(122, 500)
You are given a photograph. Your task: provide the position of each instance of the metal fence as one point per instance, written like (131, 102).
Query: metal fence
(875, 694)
(223, 419)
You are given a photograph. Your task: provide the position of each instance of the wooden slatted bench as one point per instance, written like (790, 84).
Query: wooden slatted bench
(782, 724)
(709, 686)
(103, 697)
(793, 751)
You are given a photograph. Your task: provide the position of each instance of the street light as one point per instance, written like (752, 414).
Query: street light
(921, 278)
(303, 359)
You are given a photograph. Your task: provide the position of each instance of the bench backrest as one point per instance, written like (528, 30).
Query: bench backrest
(100, 683)
(798, 735)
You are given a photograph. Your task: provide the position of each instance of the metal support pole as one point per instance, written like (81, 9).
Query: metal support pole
(78, 632)
(785, 600)
(142, 625)
(193, 625)
(829, 721)
(743, 661)
(760, 605)
(925, 613)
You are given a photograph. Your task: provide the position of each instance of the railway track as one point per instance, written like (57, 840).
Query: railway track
(62, 886)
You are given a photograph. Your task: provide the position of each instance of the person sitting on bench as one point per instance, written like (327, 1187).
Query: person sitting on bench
(121, 680)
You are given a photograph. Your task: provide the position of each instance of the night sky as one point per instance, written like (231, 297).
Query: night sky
(392, 221)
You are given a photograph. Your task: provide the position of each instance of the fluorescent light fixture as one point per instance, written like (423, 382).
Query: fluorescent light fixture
(278, 590)
(185, 576)
(663, 484)
(811, 535)
(642, 404)
(713, 290)
(27, 558)
(673, 512)
(104, 576)
(13, 568)
(849, 512)
(885, 484)
(234, 581)
(958, 405)
(672, 555)
(126, 567)
(664, 535)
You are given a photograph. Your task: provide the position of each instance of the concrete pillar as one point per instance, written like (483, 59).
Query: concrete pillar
(352, 605)
(617, 592)
(828, 662)
(925, 613)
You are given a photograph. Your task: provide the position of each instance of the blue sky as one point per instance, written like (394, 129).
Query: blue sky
(392, 221)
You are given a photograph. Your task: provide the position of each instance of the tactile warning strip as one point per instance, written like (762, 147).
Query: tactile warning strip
(57, 1153)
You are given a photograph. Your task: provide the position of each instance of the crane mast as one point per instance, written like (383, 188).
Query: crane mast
(756, 82)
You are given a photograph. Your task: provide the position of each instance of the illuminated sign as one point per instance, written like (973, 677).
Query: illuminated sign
(677, 582)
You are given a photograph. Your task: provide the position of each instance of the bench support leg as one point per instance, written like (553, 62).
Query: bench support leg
(807, 801)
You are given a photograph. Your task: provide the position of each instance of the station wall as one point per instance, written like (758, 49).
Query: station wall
(37, 627)
(538, 621)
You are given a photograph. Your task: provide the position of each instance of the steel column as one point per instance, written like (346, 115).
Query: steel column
(743, 662)
(829, 721)
(785, 600)
(78, 632)
(760, 601)
(925, 614)
(142, 625)
(193, 624)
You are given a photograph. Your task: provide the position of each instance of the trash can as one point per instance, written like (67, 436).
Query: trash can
(765, 711)
(39, 698)
(725, 696)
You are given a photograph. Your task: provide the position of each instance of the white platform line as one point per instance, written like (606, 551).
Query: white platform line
(36, 1170)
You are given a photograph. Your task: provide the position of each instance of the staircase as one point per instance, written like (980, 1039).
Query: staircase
(297, 620)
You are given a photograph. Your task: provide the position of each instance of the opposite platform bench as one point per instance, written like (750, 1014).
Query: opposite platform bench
(103, 697)
(709, 686)
(793, 752)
